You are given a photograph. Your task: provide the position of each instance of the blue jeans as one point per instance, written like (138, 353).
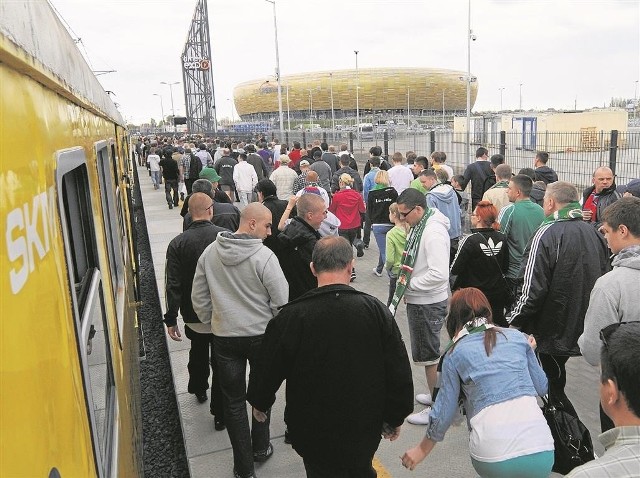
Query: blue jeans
(155, 178)
(425, 322)
(232, 354)
(380, 233)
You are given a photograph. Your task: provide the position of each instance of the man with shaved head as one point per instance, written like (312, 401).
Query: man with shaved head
(312, 185)
(238, 288)
(596, 198)
(182, 256)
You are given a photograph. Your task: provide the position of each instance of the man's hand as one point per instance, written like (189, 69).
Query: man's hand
(390, 433)
(174, 333)
(532, 341)
(258, 415)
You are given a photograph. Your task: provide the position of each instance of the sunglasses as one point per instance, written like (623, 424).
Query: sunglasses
(605, 333)
(403, 215)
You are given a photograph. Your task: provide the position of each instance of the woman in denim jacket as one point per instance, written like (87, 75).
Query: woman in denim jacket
(496, 372)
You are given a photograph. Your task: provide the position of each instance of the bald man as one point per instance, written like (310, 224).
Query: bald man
(312, 185)
(596, 198)
(238, 288)
(182, 256)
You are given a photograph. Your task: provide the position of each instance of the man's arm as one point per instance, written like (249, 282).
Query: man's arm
(173, 292)
(466, 177)
(200, 293)
(602, 311)
(537, 279)
(276, 284)
(437, 246)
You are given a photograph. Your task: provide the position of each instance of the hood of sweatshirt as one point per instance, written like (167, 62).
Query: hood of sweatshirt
(628, 257)
(235, 249)
(546, 174)
(439, 217)
(445, 193)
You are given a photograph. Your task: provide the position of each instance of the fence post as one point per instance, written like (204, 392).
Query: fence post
(351, 141)
(432, 141)
(613, 150)
(385, 139)
(324, 136)
(286, 138)
(304, 139)
(503, 143)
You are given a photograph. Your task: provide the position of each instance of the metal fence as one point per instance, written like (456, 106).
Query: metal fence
(573, 155)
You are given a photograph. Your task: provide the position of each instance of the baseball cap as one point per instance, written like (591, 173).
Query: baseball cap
(304, 162)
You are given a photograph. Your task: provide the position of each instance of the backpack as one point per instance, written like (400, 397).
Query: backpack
(195, 166)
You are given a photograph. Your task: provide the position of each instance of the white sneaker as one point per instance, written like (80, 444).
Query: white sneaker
(375, 271)
(420, 418)
(424, 398)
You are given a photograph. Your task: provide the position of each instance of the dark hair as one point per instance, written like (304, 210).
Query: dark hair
(524, 183)
(296, 144)
(375, 161)
(331, 253)
(496, 160)
(468, 304)
(439, 157)
(481, 152)
(543, 156)
(458, 178)
(625, 211)
(411, 198)
(411, 157)
(528, 172)
(324, 146)
(375, 151)
(344, 160)
(488, 214)
(266, 187)
(422, 161)
(619, 362)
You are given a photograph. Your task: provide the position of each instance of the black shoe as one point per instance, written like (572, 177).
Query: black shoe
(238, 475)
(360, 249)
(170, 206)
(262, 456)
(218, 424)
(366, 246)
(287, 438)
(202, 397)
(182, 197)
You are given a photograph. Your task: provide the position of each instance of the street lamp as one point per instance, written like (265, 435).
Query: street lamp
(173, 111)
(310, 107)
(161, 106)
(333, 116)
(501, 90)
(443, 108)
(470, 37)
(288, 112)
(357, 99)
(521, 96)
(275, 27)
(408, 110)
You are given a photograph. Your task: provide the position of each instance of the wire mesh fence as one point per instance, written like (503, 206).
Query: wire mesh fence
(573, 155)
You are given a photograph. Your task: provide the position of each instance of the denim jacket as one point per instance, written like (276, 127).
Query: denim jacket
(511, 371)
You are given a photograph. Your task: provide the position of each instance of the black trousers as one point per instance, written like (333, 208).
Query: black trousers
(554, 368)
(201, 357)
(316, 470)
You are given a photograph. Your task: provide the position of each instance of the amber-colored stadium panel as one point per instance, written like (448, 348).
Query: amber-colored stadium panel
(380, 89)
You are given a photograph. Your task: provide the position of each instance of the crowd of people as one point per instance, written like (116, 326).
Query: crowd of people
(522, 282)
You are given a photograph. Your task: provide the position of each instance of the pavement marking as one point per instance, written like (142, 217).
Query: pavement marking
(382, 471)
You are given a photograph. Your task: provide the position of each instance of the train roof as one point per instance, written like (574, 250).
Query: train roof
(34, 42)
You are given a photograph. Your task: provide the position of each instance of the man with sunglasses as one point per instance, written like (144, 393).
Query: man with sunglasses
(620, 399)
(424, 283)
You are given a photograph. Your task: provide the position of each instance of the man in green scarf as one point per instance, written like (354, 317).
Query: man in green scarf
(424, 282)
(560, 266)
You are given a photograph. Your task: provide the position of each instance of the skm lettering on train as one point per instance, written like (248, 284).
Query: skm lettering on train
(29, 230)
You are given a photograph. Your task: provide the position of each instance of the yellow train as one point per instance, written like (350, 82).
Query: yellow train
(69, 381)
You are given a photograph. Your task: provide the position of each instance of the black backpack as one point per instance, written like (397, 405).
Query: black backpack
(195, 166)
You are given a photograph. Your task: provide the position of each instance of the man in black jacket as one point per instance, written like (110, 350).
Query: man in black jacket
(596, 198)
(477, 173)
(344, 168)
(347, 371)
(543, 172)
(182, 256)
(561, 264)
(267, 195)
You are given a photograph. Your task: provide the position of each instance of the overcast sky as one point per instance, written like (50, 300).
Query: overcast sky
(560, 50)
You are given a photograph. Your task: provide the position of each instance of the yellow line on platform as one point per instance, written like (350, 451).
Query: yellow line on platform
(382, 471)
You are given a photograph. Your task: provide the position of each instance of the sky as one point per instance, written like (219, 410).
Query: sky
(565, 53)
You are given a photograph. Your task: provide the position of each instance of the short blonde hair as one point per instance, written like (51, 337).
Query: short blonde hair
(382, 177)
(346, 179)
(284, 159)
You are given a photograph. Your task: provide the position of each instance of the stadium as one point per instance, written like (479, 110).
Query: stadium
(382, 91)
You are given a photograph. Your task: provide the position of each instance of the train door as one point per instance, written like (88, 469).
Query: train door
(85, 278)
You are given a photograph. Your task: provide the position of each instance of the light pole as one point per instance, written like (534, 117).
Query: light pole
(161, 107)
(501, 90)
(470, 36)
(635, 101)
(275, 27)
(310, 107)
(288, 113)
(357, 99)
(333, 116)
(443, 108)
(173, 111)
(521, 96)
(408, 110)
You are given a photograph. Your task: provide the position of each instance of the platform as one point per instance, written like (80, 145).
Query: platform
(209, 451)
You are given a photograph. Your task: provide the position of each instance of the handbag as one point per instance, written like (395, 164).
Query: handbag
(572, 440)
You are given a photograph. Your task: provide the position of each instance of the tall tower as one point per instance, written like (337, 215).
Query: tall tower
(196, 73)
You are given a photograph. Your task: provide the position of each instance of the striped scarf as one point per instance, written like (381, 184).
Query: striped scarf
(409, 259)
(570, 211)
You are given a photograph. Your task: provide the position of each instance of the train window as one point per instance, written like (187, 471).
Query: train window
(107, 175)
(78, 228)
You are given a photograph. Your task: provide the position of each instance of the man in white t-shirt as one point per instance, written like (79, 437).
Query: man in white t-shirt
(399, 176)
(153, 161)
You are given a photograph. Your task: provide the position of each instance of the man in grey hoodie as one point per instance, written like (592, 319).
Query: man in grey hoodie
(238, 287)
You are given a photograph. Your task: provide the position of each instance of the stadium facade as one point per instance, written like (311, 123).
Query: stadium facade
(382, 91)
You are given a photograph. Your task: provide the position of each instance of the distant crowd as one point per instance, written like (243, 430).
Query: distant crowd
(522, 270)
